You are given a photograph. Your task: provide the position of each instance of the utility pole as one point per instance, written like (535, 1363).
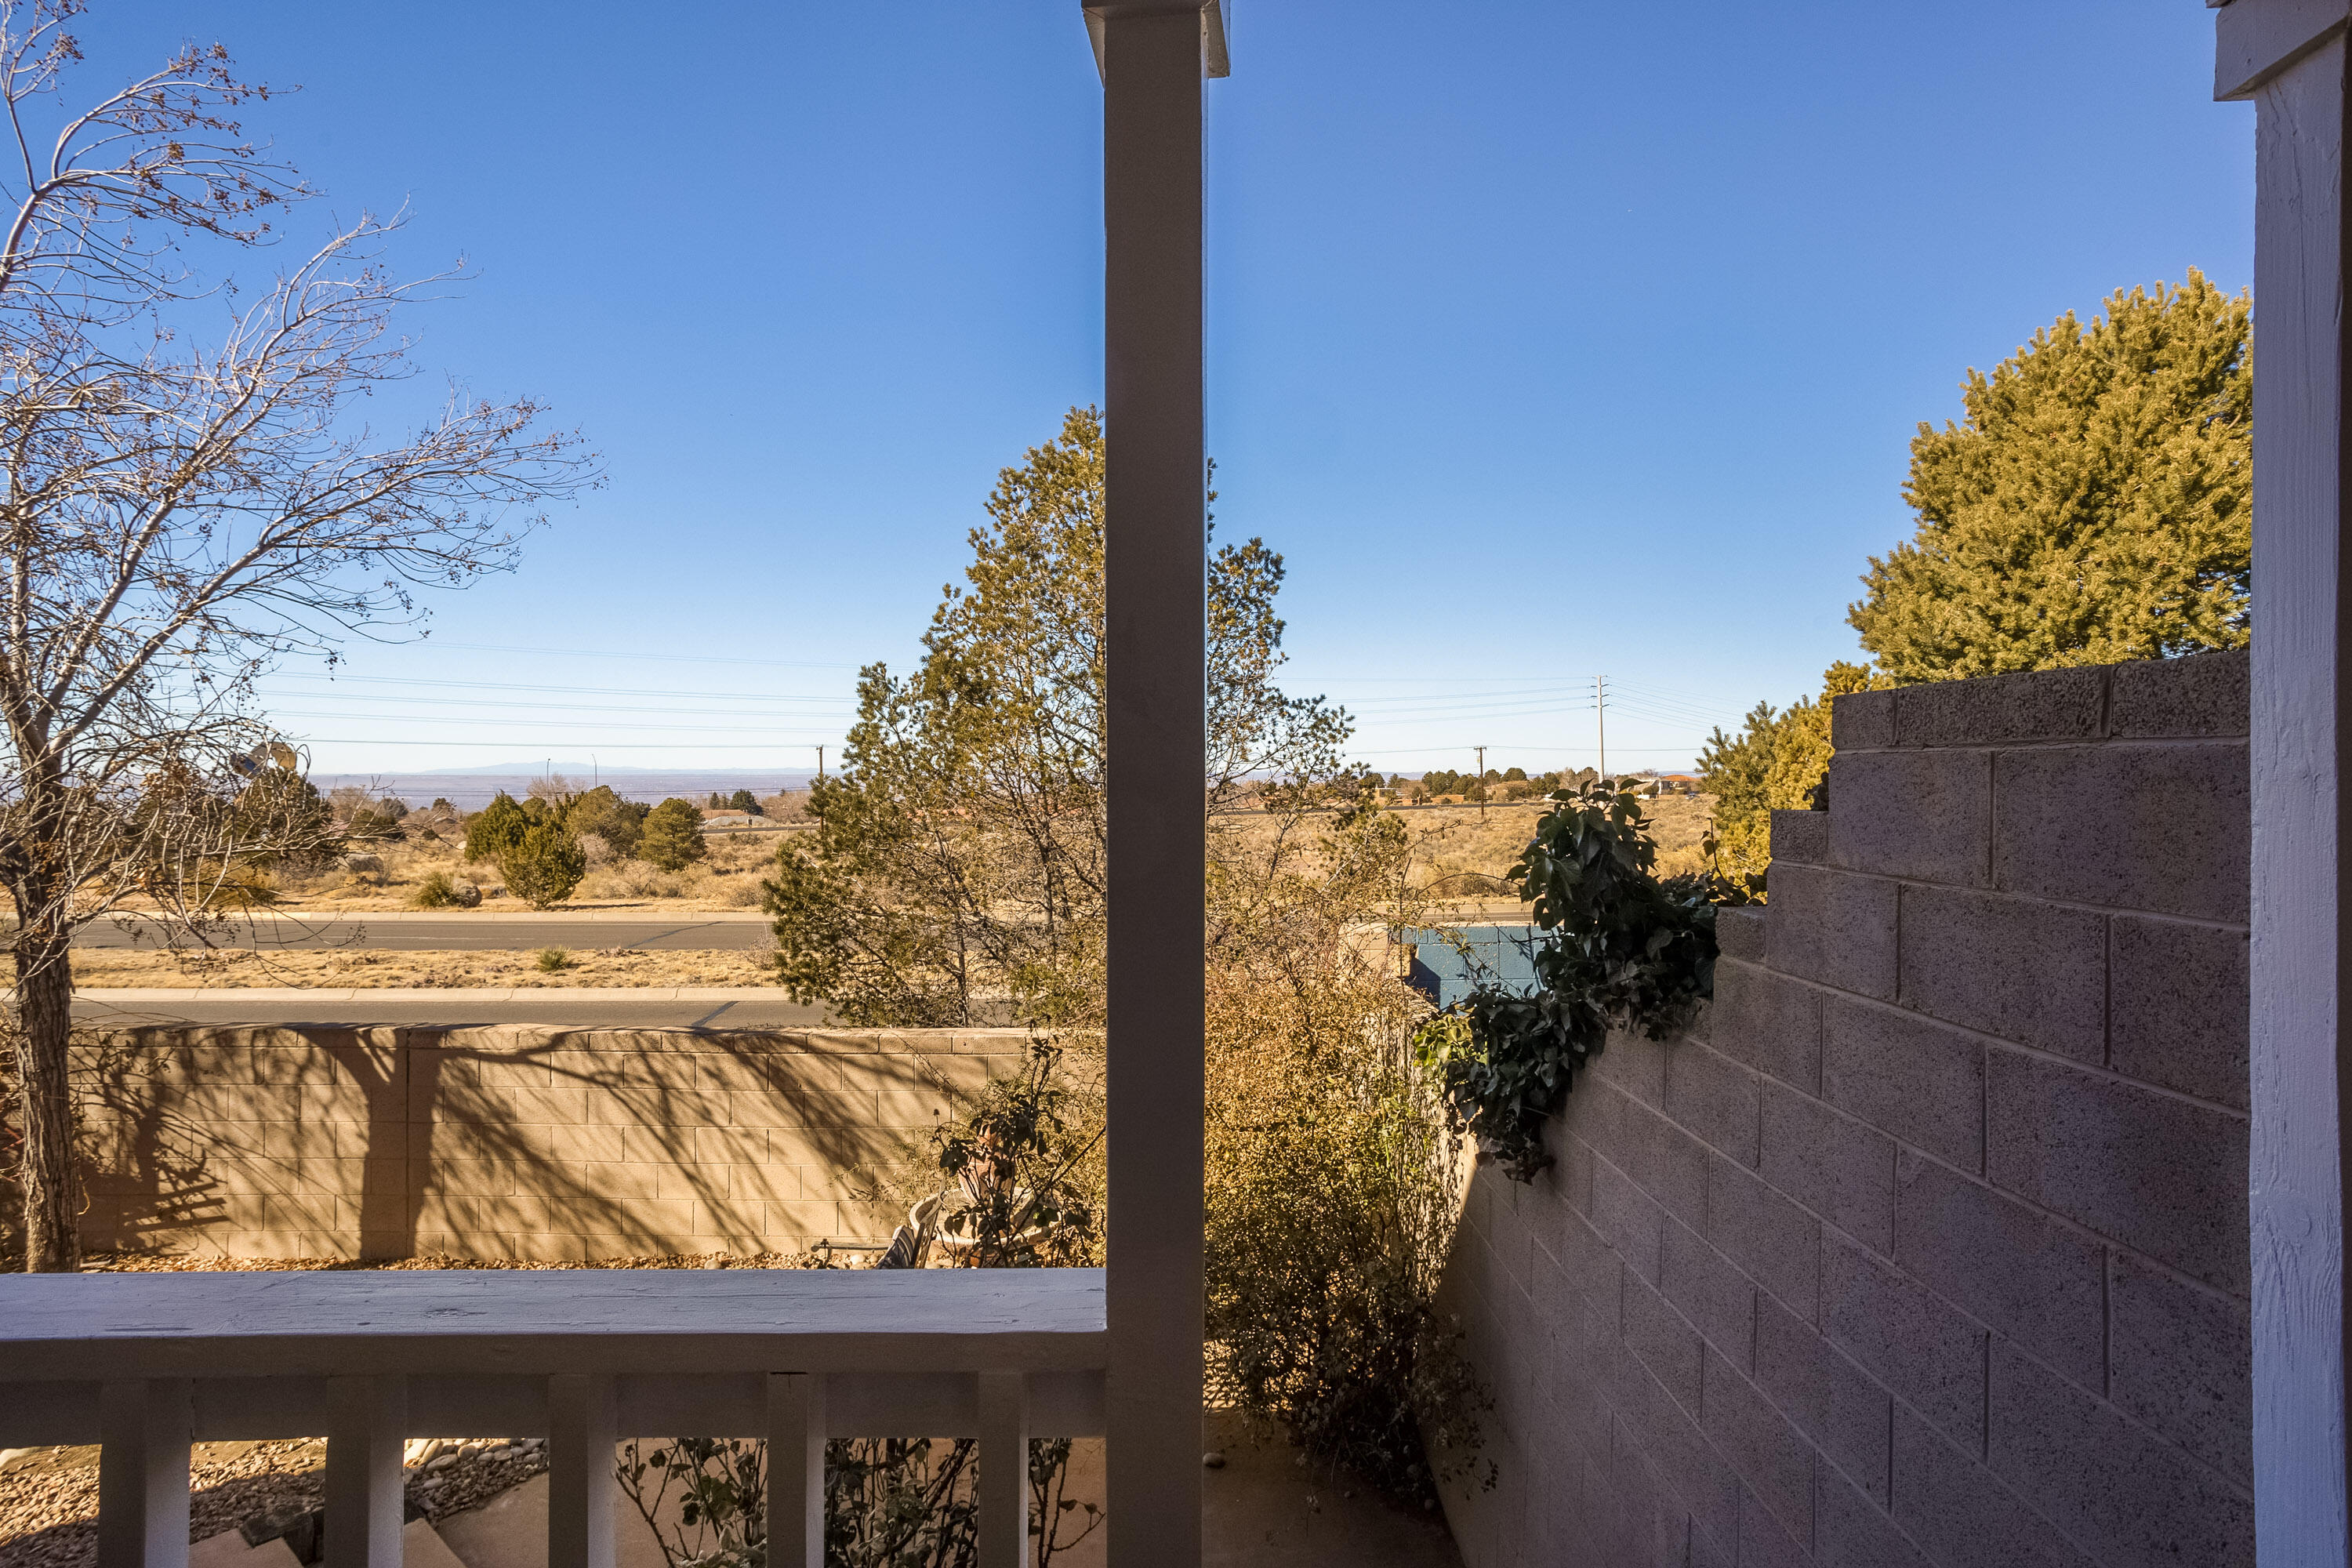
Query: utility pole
(1482, 781)
(1601, 708)
(819, 765)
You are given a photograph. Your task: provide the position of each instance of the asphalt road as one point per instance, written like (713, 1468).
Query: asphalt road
(460, 933)
(600, 1009)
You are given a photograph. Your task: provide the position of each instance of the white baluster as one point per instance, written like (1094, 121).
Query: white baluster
(367, 1420)
(143, 1473)
(795, 1470)
(1004, 1491)
(582, 1428)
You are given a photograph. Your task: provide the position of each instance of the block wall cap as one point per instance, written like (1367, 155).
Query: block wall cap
(1740, 932)
(2201, 694)
(1863, 720)
(1993, 709)
(1801, 836)
(2194, 695)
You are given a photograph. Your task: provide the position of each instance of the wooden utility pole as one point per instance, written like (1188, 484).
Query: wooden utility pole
(1482, 781)
(2290, 58)
(1152, 55)
(1601, 708)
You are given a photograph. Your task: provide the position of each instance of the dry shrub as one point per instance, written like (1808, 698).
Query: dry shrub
(1333, 1184)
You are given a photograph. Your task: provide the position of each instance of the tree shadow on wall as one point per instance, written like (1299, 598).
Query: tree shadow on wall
(387, 1138)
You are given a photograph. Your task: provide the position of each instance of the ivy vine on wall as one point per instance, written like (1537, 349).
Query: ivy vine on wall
(1620, 948)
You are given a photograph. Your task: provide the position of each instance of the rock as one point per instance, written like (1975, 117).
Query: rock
(1213, 1460)
(441, 1461)
(418, 1451)
(465, 895)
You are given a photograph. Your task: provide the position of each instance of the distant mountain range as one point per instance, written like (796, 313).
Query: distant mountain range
(470, 789)
(577, 769)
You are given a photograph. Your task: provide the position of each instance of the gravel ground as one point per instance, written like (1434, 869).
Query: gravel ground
(375, 968)
(49, 1496)
(210, 1263)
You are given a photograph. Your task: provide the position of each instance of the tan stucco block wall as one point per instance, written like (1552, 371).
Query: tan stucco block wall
(510, 1142)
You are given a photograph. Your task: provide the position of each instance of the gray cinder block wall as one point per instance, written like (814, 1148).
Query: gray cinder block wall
(1929, 1243)
(508, 1142)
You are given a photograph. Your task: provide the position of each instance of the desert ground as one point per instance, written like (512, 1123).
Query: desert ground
(1463, 855)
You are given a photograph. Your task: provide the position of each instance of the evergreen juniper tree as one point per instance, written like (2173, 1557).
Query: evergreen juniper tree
(671, 838)
(2093, 505)
(496, 828)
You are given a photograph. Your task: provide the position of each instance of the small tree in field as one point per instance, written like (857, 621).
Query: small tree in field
(672, 835)
(186, 496)
(496, 828)
(544, 866)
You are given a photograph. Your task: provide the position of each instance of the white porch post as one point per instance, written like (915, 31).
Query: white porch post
(2289, 57)
(367, 1418)
(797, 1469)
(1152, 54)
(583, 1430)
(144, 1430)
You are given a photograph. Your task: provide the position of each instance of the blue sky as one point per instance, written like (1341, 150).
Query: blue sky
(1548, 338)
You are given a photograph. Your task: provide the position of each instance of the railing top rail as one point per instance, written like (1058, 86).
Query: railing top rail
(545, 1321)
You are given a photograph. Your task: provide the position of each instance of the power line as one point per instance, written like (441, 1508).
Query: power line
(614, 653)
(340, 680)
(438, 702)
(600, 745)
(571, 724)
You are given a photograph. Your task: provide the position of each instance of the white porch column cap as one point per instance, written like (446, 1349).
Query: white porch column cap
(1214, 62)
(2256, 39)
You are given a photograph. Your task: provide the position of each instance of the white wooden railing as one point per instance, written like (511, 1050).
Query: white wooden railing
(145, 1364)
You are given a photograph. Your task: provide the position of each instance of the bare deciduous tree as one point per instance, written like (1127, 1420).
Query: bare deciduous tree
(187, 497)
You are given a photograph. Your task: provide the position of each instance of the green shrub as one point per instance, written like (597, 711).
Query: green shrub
(436, 892)
(672, 838)
(604, 814)
(743, 800)
(496, 828)
(1621, 950)
(553, 960)
(545, 866)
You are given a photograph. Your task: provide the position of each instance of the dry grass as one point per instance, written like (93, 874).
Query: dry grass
(1459, 856)
(728, 880)
(1460, 853)
(374, 968)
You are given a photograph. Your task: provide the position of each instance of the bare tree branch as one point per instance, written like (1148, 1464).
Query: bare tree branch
(187, 496)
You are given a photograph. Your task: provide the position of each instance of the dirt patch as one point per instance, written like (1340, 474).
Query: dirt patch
(214, 1263)
(1461, 854)
(376, 968)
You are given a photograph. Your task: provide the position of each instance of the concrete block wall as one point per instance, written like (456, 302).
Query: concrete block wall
(1928, 1244)
(507, 1142)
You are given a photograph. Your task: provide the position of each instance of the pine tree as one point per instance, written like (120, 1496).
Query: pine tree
(2092, 506)
(672, 835)
(545, 865)
(496, 828)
